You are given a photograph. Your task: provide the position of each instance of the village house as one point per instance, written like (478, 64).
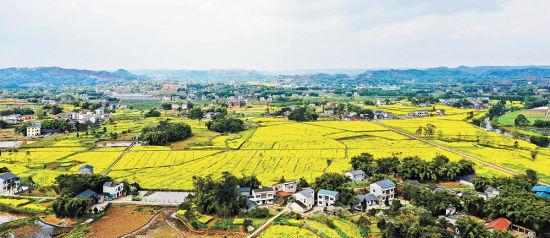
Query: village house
(113, 190)
(233, 104)
(287, 187)
(440, 112)
(466, 180)
(490, 192)
(34, 130)
(9, 183)
(245, 191)
(304, 200)
(263, 196)
(383, 189)
(420, 113)
(365, 201)
(499, 224)
(356, 175)
(12, 119)
(29, 117)
(326, 198)
(86, 169)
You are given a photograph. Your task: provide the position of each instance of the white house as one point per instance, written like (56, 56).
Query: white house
(326, 198)
(34, 130)
(356, 175)
(383, 189)
(263, 196)
(113, 190)
(287, 187)
(305, 200)
(420, 113)
(9, 183)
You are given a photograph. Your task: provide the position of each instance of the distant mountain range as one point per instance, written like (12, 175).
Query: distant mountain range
(462, 73)
(55, 76)
(206, 75)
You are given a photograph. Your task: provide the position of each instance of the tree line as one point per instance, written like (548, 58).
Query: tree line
(165, 132)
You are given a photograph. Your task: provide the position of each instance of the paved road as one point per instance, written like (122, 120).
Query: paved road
(407, 134)
(164, 204)
(268, 222)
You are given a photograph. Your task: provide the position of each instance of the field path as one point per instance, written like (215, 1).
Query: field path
(260, 229)
(407, 134)
(112, 165)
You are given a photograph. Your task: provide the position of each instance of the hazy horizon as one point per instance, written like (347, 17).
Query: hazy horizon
(273, 35)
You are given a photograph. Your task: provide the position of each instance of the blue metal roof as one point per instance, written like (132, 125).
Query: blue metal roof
(545, 189)
(386, 183)
(327, 192)
(543, 195)
(8, 175)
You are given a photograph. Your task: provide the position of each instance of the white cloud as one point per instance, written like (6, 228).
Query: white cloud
(281, 34)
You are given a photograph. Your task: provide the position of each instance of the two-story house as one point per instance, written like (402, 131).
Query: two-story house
(304, 199)
(34, 130)
(9, 183)
(326, 198)
(113, 190)
(263, 196)
(287, 187)
(383, 189)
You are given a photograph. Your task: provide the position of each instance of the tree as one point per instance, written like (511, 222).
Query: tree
(364, 162)
(152, 113)
(166, 106)
(249, 181)
(56, 109)
(219, 196)
(302, 183)
(521, 121)
(301, 114)
(473, 205)
(73, 184)
(196, 113)
(388, 165)
(534, 154)
(330, 181)
(471, 227)
(165, 132)
(225, 124)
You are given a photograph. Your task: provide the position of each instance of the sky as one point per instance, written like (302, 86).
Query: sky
(273, 34)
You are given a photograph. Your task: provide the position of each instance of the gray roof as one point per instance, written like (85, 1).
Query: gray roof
(370, 197)
(250, 204)
(327, 192)
(386, 183)
(88, 194)
(110, 184)
(356, 172)
(307, 192)
(263, 190)
(366, 197)
(468, 177)
(412, 182)
(6, 176)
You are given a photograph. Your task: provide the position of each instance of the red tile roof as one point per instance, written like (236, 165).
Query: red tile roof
(499, 224)
(284, 194)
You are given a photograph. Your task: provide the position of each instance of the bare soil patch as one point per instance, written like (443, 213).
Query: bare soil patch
(120, 220)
